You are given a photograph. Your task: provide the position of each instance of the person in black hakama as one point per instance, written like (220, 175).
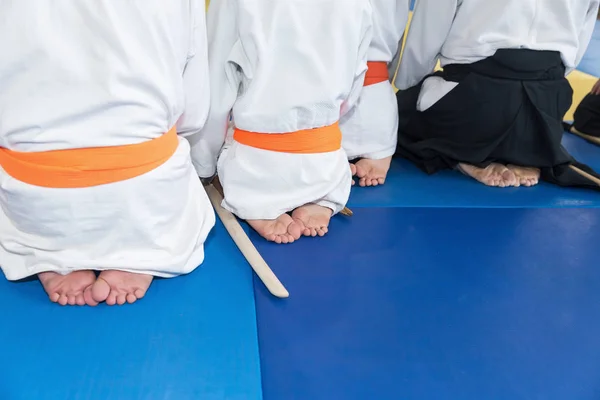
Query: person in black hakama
(495, 111)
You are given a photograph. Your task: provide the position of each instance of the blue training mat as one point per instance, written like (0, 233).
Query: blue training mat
(192, 337)
(590, 64)
(430, 304)
(407, 186)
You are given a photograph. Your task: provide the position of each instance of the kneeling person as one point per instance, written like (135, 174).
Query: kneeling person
(94, 176)
(370, 130)
(285, 83)
(495, 111)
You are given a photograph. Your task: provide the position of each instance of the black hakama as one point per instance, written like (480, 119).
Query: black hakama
(507, 108)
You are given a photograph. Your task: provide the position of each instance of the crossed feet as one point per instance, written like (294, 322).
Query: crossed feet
(308, 220)
(502, 175)
(82, 287)
(312, 219)
(371, 172)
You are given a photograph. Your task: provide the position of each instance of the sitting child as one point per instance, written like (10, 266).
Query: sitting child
(286, 71)
(370, 130)
(94, 175)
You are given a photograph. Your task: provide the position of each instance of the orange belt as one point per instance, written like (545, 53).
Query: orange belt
(79, 168)
(377, 73)
(307, 141)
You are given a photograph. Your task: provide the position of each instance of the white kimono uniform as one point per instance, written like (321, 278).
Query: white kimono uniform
(79, 74)
(467, 31)
(278, 67)
(371, 128)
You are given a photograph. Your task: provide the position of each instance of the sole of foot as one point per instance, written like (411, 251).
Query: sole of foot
(525, 175)
(313, 218)
(282, 230)
(68, 289)
(119, 287)
(372, 172)
(496, 175)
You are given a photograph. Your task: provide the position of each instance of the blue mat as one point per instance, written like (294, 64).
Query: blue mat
(192, 337)
(590, 64)
(407, 186)
(438, 304)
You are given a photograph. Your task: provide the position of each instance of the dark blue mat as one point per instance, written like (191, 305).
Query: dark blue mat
(590, 64)
(407, 186)
(436, 304)
(192, 337)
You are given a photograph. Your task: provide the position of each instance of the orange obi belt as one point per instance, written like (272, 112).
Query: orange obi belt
(308, 141)
(377, 73)
(94, 166)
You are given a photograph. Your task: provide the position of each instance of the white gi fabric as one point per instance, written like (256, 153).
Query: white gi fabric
(371, 128)
(277, 67)
(467, 31)
(91, 73)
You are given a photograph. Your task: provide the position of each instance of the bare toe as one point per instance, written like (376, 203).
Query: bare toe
(111, 300)
(79, 300)
(88, 298)
(54, 297)
(527, 176)
(352, 169)
(99, 291)
(121, 298)
(63, 300)
(295, 230)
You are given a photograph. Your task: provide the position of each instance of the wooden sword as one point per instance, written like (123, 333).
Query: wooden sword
(245, 245)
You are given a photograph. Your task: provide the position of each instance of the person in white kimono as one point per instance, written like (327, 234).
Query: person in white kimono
(370, 129)
(285, 72)
(95, 97)
(495, 111)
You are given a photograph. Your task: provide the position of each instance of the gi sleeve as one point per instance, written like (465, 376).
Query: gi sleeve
(429, 28)
(389, 22)
(195, 77)
(361, 65)
(224, 79)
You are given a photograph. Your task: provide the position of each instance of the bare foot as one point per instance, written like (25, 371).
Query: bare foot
(67, 289)
(525, 175)
(372, 172)
(353, 172)
(118, 287)
(313, 218)
(493, 175)
(281, 230)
